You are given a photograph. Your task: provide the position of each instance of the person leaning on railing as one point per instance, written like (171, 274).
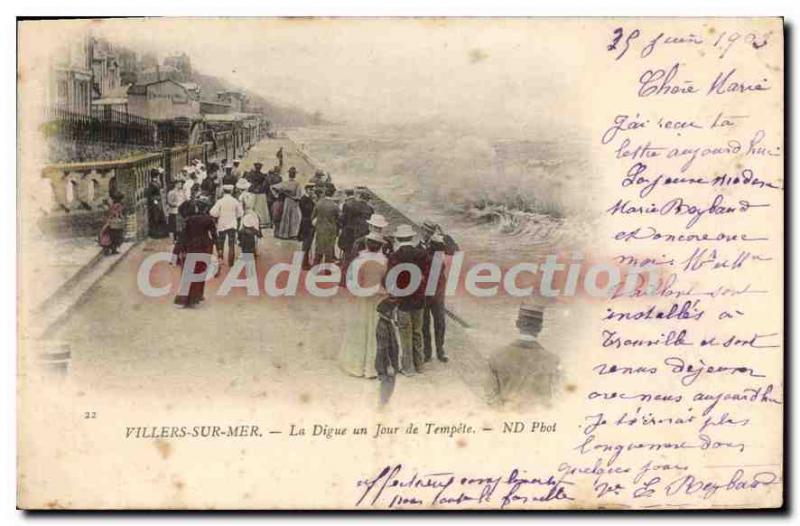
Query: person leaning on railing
(112, 233)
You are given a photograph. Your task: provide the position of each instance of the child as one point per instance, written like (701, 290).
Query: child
(249, 232)
(112, 233)
(388, 337)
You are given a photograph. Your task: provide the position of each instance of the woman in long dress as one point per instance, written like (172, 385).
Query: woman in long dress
(156, 219)
(291, 192)
(200, 235)
(360, 347)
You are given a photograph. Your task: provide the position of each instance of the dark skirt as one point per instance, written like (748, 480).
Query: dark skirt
(277, 212)
(196, 289)
(157, 222)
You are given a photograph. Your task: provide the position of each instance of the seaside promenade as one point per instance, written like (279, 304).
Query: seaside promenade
(238, 346)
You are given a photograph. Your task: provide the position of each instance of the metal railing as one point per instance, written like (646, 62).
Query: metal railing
(104, 125)
(84, 189)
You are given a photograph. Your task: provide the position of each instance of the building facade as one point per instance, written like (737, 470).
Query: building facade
(70, 87)
(105, 69)
(235, 99)
(213, 107)
(159, 72)
(193, 89)
(162, 100)
(128, 65)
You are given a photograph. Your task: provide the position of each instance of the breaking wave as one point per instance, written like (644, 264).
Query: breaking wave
(490, 192)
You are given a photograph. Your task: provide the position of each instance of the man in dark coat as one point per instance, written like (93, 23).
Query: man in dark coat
(326, 225)
(229, 178)
(362, 211)
(211, 183)
(307, 203)
(348, 213)
(435, 240)
(355, 225)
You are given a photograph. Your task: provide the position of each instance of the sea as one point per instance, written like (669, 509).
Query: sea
(504, 200)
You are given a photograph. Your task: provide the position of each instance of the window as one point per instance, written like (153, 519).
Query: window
(62, 90)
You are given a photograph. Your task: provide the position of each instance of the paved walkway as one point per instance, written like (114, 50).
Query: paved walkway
(275, 348)
(52, 262)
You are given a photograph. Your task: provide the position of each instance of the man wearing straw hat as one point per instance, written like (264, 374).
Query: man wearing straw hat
(227, 210)
(524, 372)
(376, 224)
(410, 306)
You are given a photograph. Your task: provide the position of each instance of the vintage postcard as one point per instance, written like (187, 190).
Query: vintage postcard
(401, 263)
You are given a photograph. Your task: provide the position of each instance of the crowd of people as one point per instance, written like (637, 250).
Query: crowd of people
(228, 210)
(225, 209)
(399, 339)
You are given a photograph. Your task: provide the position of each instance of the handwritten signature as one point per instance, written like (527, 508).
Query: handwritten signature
(396, 486)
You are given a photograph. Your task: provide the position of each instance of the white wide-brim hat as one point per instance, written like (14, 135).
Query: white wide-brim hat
(242, 184)
(404, 231)
(377, 220)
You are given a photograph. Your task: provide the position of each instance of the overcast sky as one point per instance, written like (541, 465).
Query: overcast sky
(497, 74)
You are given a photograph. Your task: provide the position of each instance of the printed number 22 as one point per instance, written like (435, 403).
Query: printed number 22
(89, 415)
(618, 34)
